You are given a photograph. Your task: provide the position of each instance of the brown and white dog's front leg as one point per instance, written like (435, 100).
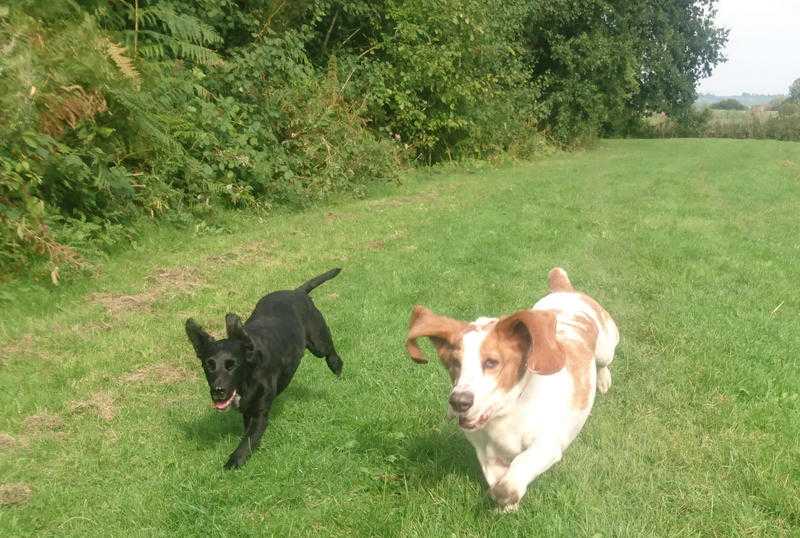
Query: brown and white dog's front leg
(523, 470)
(493, 468)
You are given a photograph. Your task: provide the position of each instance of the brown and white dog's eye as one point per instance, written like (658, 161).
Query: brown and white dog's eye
(229, 364)
(489, 364)
(211, 365)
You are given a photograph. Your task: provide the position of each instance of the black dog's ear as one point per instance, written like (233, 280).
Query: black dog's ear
(201, 340)
(235, 329)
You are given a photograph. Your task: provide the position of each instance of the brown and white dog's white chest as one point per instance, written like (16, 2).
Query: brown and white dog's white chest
(543, 410)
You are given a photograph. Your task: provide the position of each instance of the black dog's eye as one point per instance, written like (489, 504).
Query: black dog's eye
(488, 364)
(229, 364)
(211, 365)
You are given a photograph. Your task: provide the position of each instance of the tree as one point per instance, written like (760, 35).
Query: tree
(605, 63)
(794, 91)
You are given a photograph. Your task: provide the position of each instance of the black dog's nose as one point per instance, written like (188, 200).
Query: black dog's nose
(461, 401)
(219, 392)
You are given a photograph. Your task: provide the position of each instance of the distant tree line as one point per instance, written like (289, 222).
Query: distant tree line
(728, 104)
(779, 120)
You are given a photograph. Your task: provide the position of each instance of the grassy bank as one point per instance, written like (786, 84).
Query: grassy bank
(690, 244)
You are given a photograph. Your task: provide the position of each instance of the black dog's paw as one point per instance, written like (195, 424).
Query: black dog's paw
(335, 364)
(235, 461)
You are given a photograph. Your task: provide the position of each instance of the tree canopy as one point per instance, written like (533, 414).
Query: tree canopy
(604, 63)
(794, 91)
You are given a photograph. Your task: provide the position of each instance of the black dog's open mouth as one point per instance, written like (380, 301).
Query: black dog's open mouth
(222, 405)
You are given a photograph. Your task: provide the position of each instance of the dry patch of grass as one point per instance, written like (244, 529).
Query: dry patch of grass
(14, 494)
(99, 403)
(21, 344)
(163, 374)
(176, 279)
(24, 344)
(7, 441)
(163, 283)
(249, 253)
(117, 304)
(43, 423)
(380, 244)
(330, 216)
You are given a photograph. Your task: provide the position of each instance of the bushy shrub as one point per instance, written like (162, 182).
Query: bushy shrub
(693, 123)
(775, 104)
(445, 78)
(92, 138)
(789, 108)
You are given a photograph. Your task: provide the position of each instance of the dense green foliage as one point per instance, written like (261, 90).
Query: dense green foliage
(168, 109)
(447, 77)
(728, 104)
(93, 138)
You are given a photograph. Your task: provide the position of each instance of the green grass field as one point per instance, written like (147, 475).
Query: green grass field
(692, 245)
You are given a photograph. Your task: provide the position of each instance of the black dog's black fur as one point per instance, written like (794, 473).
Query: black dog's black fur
(257, 360)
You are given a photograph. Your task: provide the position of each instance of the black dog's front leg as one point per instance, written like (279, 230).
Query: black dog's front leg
(255, 426)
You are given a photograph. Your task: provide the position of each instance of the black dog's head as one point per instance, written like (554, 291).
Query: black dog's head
(224, 361)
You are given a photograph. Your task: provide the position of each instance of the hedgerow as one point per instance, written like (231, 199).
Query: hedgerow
(113, 112)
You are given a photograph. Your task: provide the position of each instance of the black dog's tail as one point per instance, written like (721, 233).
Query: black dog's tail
(316, 281)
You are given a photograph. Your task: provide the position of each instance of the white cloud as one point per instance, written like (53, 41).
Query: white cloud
(763, 48)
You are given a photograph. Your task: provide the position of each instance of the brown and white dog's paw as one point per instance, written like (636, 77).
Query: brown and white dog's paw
(507, 495)
(507, 509)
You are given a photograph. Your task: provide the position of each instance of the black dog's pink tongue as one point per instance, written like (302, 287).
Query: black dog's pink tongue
(222, 406)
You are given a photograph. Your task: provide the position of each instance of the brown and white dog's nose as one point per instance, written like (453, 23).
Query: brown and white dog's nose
(461, 401)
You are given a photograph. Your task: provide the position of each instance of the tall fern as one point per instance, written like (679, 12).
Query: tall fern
(123, 63)
(166, 33)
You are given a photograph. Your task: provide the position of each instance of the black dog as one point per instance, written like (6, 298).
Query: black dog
(256, 362)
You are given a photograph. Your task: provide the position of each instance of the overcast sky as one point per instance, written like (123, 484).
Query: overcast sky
(763, 47)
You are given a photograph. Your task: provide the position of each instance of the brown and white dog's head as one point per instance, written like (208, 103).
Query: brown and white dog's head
(488, 358)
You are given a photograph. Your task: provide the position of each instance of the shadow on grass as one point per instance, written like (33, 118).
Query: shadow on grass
(433, 455)
(423, 457)
(425, 460)
(213, 426)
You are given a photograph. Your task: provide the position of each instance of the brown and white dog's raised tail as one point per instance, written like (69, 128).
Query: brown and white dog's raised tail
(558, 280)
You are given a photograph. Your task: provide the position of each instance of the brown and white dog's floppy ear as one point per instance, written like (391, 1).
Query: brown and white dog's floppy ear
(534, 332)
(441, 330)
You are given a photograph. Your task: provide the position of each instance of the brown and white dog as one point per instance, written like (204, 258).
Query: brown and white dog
(524, 384)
